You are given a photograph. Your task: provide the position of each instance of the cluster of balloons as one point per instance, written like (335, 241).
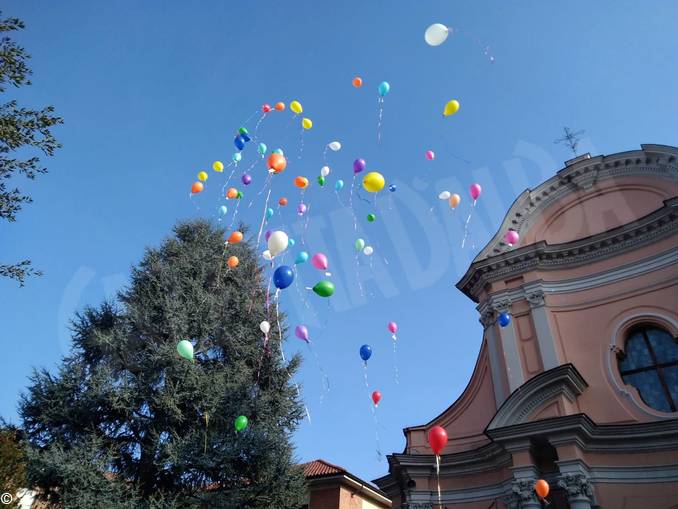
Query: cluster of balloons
(453, 199)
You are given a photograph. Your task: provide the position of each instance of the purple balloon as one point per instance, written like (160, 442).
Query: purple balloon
(301, 208)
(359, 165)
(246, 179)
(302, 332)
(268, 234)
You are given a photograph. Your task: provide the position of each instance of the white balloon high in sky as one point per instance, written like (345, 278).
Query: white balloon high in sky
(436, 34)
(335, 145)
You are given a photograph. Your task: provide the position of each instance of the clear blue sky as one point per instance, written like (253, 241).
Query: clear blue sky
(152, 92)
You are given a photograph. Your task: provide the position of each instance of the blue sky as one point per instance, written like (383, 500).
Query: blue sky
(152, 92)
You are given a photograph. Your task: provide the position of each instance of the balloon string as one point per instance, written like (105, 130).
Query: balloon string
(468, 219)
(339, 199)
(256, 127)
(358, 276)
(380, 103)
(303, 231)
(438, 477)
(277, 321)
(475, 40)
(396, 373)
(263, 220)
(376, 429)
(367, 385)
(325, 380)
(325, 154)
(301, 143)
(350, 204)
(263, 188)
(235, 214)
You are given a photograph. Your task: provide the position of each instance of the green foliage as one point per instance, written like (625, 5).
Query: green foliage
(12, 462)
(125, 402)
(22, 130)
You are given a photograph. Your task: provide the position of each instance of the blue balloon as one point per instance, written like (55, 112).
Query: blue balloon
(302, 257)
(339, 184)
(291, 242)
(384, 88)
(239, 142)
(392, 188)
(278, 151)
(222, 210)
(365, 352)
(245, 136)
(504, 319)
(283, 277)
(269, 213)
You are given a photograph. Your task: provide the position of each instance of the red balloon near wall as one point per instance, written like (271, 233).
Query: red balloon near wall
(437, 438)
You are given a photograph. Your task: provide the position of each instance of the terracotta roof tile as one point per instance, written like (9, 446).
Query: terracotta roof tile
(319, 468)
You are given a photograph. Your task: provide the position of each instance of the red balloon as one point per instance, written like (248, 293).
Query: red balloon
(376, 397)
(437, 439)
(266, 108)
(542, 488)
(197, 187)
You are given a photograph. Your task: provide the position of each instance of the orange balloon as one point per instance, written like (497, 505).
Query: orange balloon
(301, 182)
(232, 192)
(235, 237)
(233, 260)
(282, 202)
(197, 187)
(542, 488)
(454, 200)
(357, 82)
(280, 106)
(277, 162)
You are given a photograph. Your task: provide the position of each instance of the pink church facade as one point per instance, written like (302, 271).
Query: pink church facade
(581, 387)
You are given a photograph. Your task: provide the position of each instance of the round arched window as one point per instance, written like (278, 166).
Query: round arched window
(650, 364)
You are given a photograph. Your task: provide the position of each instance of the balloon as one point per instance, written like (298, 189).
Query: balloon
(504, 319)
(266, 108)
(241, 423)
(324, 171)
(279, 151)
(371, 218)
(436, 34)
(319, 261)
(541, 487)
(359, 244)
(451, 108)
(239, 142)
(324, 288)
(301, 182)
(280, 106)
(335, 146)
(295, 106)
(338, 185)
(232, 193)
(321, 180)
(267, 235)
(261, 148)
(197, 187)
(282, 201)
(373, 182)
(302, 257)
(384, 88)
(376, 398)
(365, 352)
(368, 250)
(246, 179)
(277, 162)
(269, 213)
(185, 349)
(277, 242)
(239, 195)
(445, 195)
(283, 277)
(245, 136)
(359, 165)
(301, 332)
(243, 131)
(475, 191)
(237, 157)
(392, 327)
(265, 327)
(306, 123)
(454, 200)
(218, 166)
(392, 188)
(301, 209)
(357, 82)
(291, 242)
(235, 237)
(223, 209)
(233, 262)
(430, 155)
(437, 439)
(511, 237)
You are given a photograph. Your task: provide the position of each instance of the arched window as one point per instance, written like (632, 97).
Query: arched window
(650, 364)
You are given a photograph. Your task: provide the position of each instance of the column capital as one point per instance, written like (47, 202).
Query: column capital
(535, 298)
(577, 486)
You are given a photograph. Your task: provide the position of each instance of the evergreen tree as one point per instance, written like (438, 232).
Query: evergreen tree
(127, 422)
(12, 463)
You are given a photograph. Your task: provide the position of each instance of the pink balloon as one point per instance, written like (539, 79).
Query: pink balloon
(319, 261)
(430, 155)
(511, 237)
(393, 327)
(301, 209)
(475, 191)
(302, 332)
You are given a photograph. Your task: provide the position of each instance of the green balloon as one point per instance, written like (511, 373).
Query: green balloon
(239, 195)
(241, 423)
(321, 180)
(185, 349)
(243, 130)
(359, 244)
(324, 288)
(371, 218)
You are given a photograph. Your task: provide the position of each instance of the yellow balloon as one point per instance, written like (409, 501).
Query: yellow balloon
(455, 199)
(218, 166)
(306, 123)
(202, 176)
(451, 108)
(373, 182)
(295, 106)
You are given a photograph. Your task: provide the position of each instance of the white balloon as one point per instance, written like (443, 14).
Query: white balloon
(325, 171)
(277, 242)
(265, 327)
(335, 145)
(436, 34)
(445, 195)
(267, 255)
(368, 250)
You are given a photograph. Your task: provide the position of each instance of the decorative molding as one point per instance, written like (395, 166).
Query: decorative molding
(535, 298)
(577, 486)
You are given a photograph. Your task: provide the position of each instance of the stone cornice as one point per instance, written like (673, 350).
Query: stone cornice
(655, 226)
